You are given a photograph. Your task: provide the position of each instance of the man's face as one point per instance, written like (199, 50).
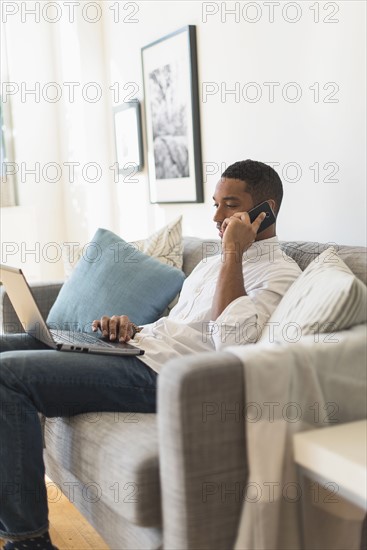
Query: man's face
(230, 197)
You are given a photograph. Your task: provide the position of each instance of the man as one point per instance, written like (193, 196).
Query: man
(226, 300)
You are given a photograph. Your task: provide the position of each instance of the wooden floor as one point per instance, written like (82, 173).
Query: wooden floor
(68, 528)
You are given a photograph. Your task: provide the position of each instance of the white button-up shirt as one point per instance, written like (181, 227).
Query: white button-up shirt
(268, 273)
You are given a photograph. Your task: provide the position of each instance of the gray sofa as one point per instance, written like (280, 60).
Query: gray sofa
(139, 478)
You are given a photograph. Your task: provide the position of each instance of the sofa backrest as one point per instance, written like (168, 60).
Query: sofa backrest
(303, 252)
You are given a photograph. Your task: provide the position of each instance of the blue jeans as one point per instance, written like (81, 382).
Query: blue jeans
(36, 379)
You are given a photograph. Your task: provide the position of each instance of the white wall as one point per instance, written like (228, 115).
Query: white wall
(301, 134)
(85, 127)
(70, 129)
(28, 230)
(295, 135)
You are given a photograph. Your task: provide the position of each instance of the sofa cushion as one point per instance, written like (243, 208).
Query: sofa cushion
(326, 297)
(114, 278)
(196, 249)
(165, 245)
(114, 456)
(303, 252)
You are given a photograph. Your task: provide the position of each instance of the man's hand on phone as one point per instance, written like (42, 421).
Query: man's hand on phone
(239, 233)
(118, 327)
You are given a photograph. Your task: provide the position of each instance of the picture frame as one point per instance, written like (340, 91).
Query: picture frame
(172, 116)
(128, 138)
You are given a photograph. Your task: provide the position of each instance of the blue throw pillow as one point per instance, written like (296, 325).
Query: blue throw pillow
(114, 278)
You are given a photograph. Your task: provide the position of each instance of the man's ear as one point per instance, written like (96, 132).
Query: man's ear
(273, 205)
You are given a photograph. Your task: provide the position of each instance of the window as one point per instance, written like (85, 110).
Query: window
(7, 166)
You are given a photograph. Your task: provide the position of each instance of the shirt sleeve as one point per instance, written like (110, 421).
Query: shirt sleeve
(243, 320)
(239, 323)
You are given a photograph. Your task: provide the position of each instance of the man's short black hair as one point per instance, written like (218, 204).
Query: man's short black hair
(262, 181)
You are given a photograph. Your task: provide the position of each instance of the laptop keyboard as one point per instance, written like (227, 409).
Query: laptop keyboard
(64, 336)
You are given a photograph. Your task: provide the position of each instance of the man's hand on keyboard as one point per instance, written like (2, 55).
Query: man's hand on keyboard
(118, 327)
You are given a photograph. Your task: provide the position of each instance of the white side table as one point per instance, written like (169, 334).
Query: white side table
(337, 453)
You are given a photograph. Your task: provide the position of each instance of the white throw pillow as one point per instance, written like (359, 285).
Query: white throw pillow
(326, 297)
(165, 245)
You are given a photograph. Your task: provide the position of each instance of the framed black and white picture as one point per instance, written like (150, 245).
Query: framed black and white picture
(172, 118)
(128, 137)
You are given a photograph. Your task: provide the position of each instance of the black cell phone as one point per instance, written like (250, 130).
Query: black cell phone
(262, 207)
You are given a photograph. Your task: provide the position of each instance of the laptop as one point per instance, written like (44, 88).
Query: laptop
(34, 324)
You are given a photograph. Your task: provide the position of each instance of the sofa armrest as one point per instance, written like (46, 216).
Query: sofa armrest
(45, 295)
(202, 450)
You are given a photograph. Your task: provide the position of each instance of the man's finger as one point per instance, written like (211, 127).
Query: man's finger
(114, 321)
(105, 325)
(124, 325)
(125, 337)
(96, 325)
(258, 221)
(224, 224)
(238, 215)
(124, 333)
